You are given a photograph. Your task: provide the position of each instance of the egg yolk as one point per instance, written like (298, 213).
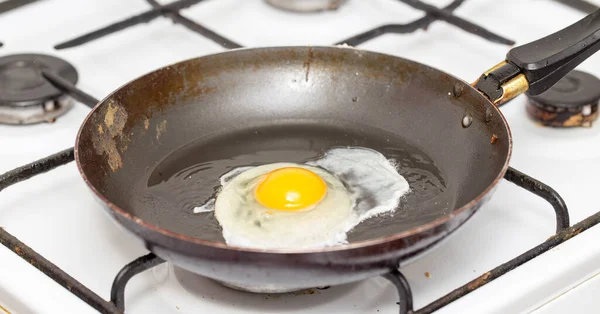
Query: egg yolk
(290, 189)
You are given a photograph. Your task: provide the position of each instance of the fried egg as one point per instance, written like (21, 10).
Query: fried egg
(303, 206)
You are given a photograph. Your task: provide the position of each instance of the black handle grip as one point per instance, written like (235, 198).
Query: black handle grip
(545, 61)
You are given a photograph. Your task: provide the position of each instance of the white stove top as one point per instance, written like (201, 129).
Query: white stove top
(55, 214)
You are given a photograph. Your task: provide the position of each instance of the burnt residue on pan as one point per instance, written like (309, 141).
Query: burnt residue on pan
(114, 122)
(161, 128)
(110, 139)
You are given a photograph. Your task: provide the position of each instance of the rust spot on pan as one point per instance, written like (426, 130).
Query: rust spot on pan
(110, 135)
(161, 128)
(150, 95)
(109, 117)
(494, 139)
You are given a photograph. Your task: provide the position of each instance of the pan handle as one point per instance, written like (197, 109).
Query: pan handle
(536, 66)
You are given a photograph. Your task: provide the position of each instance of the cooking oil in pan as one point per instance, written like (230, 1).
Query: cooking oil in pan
(189, 177)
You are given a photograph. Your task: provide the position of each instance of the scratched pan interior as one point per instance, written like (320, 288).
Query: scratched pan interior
(157, 146)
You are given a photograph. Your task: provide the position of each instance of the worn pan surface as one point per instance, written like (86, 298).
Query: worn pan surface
(156, 148)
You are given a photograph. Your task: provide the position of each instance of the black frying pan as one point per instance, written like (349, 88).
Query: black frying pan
(156, 147)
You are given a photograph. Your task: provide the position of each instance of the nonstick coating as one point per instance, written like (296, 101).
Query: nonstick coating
(251, 106)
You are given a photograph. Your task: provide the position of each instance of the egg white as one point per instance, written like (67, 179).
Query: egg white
(361, 183)
(247, 223)
(372, 179)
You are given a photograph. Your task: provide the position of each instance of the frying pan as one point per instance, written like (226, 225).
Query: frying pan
(156, 147)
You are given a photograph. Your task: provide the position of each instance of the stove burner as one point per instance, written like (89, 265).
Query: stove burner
(306, 5)
(25, 96)
(571, 102)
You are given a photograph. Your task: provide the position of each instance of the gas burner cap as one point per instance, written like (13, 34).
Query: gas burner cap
(571, 102)
(306, 5)
(26, 97)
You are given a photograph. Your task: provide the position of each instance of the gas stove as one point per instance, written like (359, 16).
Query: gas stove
(474, 271)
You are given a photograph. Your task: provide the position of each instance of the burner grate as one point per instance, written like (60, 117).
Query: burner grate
(143, 263)
(195, 27)
(458, 22)
(421, 23)
(171, 11)
(404, 288)
(134, 20)
(38, 261)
